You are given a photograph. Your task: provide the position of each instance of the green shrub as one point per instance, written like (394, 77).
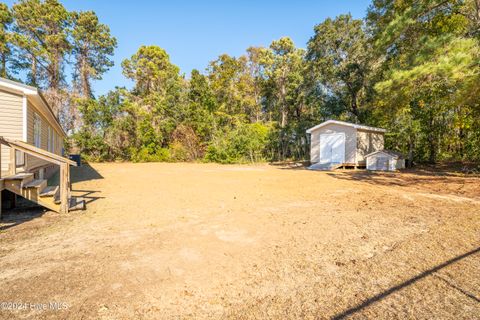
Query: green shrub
(92, 146)
(146, 154)
(245, 143)
(178, 152)
(185, 145)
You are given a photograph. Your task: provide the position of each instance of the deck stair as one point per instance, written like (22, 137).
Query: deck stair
(49, 191)
(38, 183)
(36, 190)
(56, 198)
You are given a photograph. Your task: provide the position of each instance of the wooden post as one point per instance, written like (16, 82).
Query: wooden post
(13, 163)
(69, 183)
(12, 169)
(1, 182)
(64, 188)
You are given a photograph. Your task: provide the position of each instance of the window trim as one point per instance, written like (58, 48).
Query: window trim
(51, 140)
(49, 135)
(54, 138)
(19, 159)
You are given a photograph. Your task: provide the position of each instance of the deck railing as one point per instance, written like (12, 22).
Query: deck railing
(46, 156)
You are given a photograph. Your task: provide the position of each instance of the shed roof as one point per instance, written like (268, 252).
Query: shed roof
(34, 95)
(393, 154)
(343, 123)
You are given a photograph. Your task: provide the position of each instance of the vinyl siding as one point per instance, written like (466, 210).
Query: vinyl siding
(33, 162)
(350, 141)
(11, 122)
(368, 142)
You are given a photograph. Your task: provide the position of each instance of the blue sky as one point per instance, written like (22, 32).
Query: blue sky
(196, 32)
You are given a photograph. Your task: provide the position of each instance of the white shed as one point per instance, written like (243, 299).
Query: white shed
(385, 160)
(337, 142)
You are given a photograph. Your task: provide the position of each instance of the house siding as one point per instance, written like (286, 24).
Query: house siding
(350, 141)
(33, 162)
(11, 122)
(368, 142)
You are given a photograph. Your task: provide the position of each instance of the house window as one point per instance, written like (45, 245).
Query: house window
(54, 141)
(37, 131)
(49, 138)
(19, 158)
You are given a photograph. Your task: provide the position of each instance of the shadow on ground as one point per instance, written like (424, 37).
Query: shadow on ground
(403, 178)
(351, 311)
(85, 173)
(291, 165)
(78, 174)
(24, 211)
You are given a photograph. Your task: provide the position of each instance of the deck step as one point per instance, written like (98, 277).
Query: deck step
(56, 198)
(18, 180)
(19, 176)
(37, 183)
(49, 191)
(76, 203)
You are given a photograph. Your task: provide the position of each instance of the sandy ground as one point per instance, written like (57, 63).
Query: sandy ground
(163, 241)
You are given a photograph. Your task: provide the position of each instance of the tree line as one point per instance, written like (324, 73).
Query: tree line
(411, 67)
(41, 43)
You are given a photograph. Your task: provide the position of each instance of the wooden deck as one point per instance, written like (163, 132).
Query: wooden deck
(24, 184)
(349, 165)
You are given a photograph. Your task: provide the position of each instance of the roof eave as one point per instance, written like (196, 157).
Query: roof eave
(19, 87)
(394, 156)
(356, 126)
(32, 92)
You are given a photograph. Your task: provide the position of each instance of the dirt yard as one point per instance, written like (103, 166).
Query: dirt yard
(189, 241)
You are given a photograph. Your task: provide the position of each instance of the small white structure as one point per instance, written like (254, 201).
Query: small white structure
(337, 142)
(385, 160)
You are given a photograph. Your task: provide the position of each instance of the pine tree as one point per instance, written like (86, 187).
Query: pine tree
(93, 48)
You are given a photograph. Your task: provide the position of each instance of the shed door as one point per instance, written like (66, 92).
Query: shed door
(332, 148)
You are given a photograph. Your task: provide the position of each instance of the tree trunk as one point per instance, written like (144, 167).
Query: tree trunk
(54, 79)
(477, 9)
(4, 66)
(283, 93)
(354, 106)
(410, 151)
(33, 71)
(87, 92)
(431, 140)
(283, 122)
(461, 138)
(85, 83)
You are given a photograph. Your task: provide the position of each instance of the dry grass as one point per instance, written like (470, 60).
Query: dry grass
(243, 242)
